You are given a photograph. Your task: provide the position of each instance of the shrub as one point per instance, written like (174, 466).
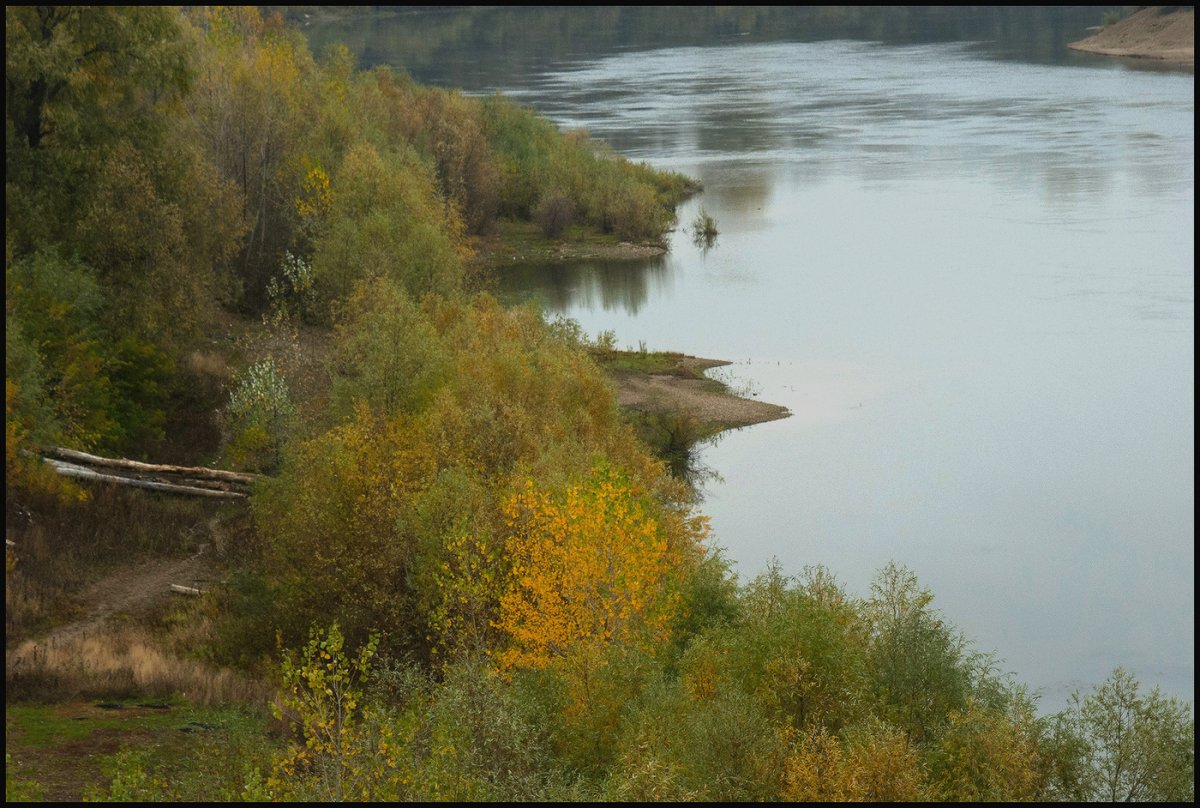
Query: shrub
(258, 415)
(554, 214)
(704, 229)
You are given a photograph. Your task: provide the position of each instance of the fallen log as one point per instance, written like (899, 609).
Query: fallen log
(79, 472)
(199, 472)
(179, 589)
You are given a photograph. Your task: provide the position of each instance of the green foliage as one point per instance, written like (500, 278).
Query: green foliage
(678, 745)
(481, 739)
(708, 598)
(174, 753)
(291, 293)
(258, 415)
(28, 414)
(541, 169)
(387, 354)
(130, 780)
(101, 164)
(79, 79)
(140, 374)
(323, 700)
(387, 222)
(19, 789)
(1133, 747)
(800, 649)
(919, 663)
(704, 229)
(82, 386)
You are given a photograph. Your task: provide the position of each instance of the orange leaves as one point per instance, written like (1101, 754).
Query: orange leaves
(589, 567)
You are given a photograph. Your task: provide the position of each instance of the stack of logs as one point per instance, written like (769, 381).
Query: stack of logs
(195, 481)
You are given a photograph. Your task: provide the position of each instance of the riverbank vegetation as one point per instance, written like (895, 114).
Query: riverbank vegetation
(463, 575)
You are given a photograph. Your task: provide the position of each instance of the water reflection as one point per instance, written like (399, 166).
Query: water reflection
(587, 285)
(485, 48)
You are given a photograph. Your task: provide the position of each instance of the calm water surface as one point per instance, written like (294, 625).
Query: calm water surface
(971, 281)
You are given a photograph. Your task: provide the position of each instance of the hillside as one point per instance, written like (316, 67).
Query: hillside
(1167, 33)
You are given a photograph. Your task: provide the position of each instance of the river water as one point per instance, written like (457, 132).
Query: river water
(966, 267)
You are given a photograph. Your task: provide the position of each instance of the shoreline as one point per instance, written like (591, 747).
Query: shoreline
(649, 382)
(524, 242)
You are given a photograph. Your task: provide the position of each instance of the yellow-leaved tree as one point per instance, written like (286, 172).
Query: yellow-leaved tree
(590, 567)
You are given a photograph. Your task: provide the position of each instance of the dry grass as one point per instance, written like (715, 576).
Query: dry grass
(120, 662)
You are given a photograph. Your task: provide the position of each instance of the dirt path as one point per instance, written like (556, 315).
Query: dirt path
(134, 590)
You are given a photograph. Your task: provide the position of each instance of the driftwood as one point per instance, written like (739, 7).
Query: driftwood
(195, 481)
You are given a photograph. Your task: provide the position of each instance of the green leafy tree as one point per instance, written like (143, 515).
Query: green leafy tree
(1136, 747)
(387, 354)
(387, 221)
(323, 700)
(259, 414)
(79, 79)
(919, 662)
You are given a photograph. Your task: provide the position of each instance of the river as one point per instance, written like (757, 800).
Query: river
(960, 254)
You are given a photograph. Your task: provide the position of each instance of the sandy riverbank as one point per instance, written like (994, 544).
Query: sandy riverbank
(684, 388)
(1164, 33)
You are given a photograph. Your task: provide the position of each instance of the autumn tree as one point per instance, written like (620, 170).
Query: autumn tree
(323, 700)
(251, 108)
(453, 132)
(873, 763)
(988, 755)
(589, 567)
(336, 522)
